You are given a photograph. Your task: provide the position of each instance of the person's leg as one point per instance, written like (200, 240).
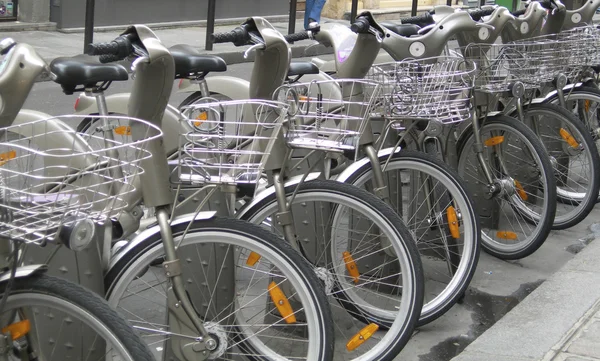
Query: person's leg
(316, 9)
(309, 5)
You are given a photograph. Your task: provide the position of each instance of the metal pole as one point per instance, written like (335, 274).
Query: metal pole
(415, 4)
(88, 36)
(292, 23)
(353, 11)
(449, 2)
(210, 24)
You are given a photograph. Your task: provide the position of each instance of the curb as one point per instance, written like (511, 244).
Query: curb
(20, 26)
(540, 323)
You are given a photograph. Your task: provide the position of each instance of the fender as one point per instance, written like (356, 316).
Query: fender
(172, 126)
(566, 88)
(155, 229)
(354, 167)
(330, 67)
(233, 88)
(271, 190)
(24, 272)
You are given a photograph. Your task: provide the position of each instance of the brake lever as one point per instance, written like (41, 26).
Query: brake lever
(426, 28)
(484, 25)
(253, 47)
(142, 59)
(375, 32)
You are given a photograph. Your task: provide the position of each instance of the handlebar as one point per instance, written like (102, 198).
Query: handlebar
(519, 12)
(361, 25)
(480, 13)
(238, 36)
(116, 50)
(303, 35)
(423, 19)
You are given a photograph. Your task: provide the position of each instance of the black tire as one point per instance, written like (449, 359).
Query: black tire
(546, 218)
(576, 210)
(259, 235)
(580, 94)
(338, 189)
(87, 301)
(407, 159)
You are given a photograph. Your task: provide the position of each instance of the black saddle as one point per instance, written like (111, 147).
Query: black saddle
(302, 68)
(71, 72)
(189, 61)
(406, 30)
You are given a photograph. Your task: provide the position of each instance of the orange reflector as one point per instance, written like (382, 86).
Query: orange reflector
(252, 258)
(568, 138)
(18, 329)
(351, 266)
(521, 190)
(586, 105)
(506, 235)
(282, 303)
(362, 336)
(5, 157)
(494, 141)
(76, 104)
(201, 117)
(452, 222)
(123, 130)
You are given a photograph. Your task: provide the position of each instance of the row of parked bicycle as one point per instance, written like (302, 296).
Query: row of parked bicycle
(317, 207)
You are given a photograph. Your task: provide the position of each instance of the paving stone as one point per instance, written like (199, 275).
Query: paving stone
(587, 343)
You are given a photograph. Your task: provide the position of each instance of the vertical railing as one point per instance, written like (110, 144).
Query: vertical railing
(88, 36)
(292, 23)
(210, 24)
(353, 10)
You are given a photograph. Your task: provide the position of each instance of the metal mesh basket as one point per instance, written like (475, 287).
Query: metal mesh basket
(433, 89)
(328, 115)
(230, 142)
(51, 178)
(579, 48)
(532, 62)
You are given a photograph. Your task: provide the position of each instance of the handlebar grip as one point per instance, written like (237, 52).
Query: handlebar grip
(111, 48)
(519, 12)
(361, 25)
(547, 4)
(109, 58)
(238, 36)
(303, 35)
(480, 13)
(423, 19)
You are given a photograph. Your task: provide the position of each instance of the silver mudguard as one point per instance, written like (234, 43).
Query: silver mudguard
(233, 88)
(271, 190)
(172, 125)
(352, 168)
(329, 66)
(24, 272)
(155, 229)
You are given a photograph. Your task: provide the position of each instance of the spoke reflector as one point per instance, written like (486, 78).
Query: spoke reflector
(362, 336)
(252, 258)
(282, 303)
(494, 141)
(506, 235)
(351, 266)
(452, 222)
(569, 138)
(521, 191)
(18, 329)
(586, 105)
(5, 157)
(123, 130)
(201, 117)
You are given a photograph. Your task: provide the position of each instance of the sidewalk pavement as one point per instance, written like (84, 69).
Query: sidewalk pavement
(52, 44)
(559, 321)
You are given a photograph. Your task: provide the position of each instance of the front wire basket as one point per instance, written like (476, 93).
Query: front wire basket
(579, 49)
(436, 88)
(328, 115)
(230, 142)
(532, 62)
(50, 177)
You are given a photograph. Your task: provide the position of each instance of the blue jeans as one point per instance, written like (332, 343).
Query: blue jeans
(313, 11)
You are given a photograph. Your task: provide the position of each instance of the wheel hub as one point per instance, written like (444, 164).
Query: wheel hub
(217, 343)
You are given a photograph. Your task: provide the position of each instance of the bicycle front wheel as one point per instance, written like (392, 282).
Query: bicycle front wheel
(368, 261)
(575, 159)
(517, 209)
(257, 297)
(67, 322)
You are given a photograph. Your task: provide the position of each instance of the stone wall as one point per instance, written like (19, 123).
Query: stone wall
(335, 9)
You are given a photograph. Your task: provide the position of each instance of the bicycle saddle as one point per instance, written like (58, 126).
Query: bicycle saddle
(85, 70)
(406, 30)
(302, 68)
(189, 61)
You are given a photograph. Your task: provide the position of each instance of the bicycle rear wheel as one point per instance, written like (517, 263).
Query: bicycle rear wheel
(258, 298)
(67, 322)
(517, 210)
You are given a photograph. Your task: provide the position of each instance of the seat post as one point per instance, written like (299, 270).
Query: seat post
(201, 81)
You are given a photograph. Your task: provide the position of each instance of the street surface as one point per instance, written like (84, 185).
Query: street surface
(498, 286)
